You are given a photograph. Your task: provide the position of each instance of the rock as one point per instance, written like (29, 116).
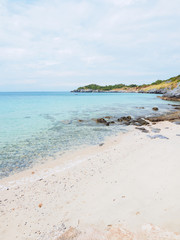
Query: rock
(101, 120)
(167, 117)
(80, 120)
(108, 123)
(158, 91)
(174, 105)
(124, 119)
(177, 107)
(170, 98)
(129, 121)
(173, 95)
(152, 91)
(155, 109)
(139, 122)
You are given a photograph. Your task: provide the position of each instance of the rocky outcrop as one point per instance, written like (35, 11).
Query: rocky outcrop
(158, 91)
(129, 121)
(166, 117)
(140, 121)
(172, 95)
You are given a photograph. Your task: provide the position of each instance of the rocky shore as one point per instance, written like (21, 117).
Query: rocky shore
(172, 95)
(170, 89)
(140, 121)
(167, 94)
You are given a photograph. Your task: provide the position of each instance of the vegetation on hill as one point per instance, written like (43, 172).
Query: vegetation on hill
(107, 87)
(170, 83)
(159, 84)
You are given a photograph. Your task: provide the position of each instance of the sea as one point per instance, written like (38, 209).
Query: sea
(37, 126)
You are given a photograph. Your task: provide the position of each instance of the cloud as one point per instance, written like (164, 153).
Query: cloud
(124, 3)
(46, 40)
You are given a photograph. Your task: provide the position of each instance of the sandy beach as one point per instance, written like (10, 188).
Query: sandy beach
(130, 181)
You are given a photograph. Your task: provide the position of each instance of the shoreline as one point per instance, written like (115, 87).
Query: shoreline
(170, 115)
(103, 188)
(25, 156)
(65, 159)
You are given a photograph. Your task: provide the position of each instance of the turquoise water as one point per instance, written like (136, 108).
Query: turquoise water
(34, 126)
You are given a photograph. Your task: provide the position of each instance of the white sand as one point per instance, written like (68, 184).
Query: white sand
(131, 180)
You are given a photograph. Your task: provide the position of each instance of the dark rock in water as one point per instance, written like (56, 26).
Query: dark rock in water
(80, 120)
(139, 122)
(177, 107)
(129, 121)
(142, 129)
(158, 136)
(112, 122)
(124, 119)
(101, 120)
(108, 123)
(155, 109)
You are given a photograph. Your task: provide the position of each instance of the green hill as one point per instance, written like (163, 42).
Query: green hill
(158, 85)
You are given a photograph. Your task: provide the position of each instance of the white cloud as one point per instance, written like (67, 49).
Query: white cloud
(74, 39)
(13, 53)
(124, 3)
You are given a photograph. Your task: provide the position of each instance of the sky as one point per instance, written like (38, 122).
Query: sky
(54, 45)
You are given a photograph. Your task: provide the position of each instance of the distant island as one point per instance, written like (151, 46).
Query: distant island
(170, 88)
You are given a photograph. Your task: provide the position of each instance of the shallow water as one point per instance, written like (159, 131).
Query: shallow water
(34, 126)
